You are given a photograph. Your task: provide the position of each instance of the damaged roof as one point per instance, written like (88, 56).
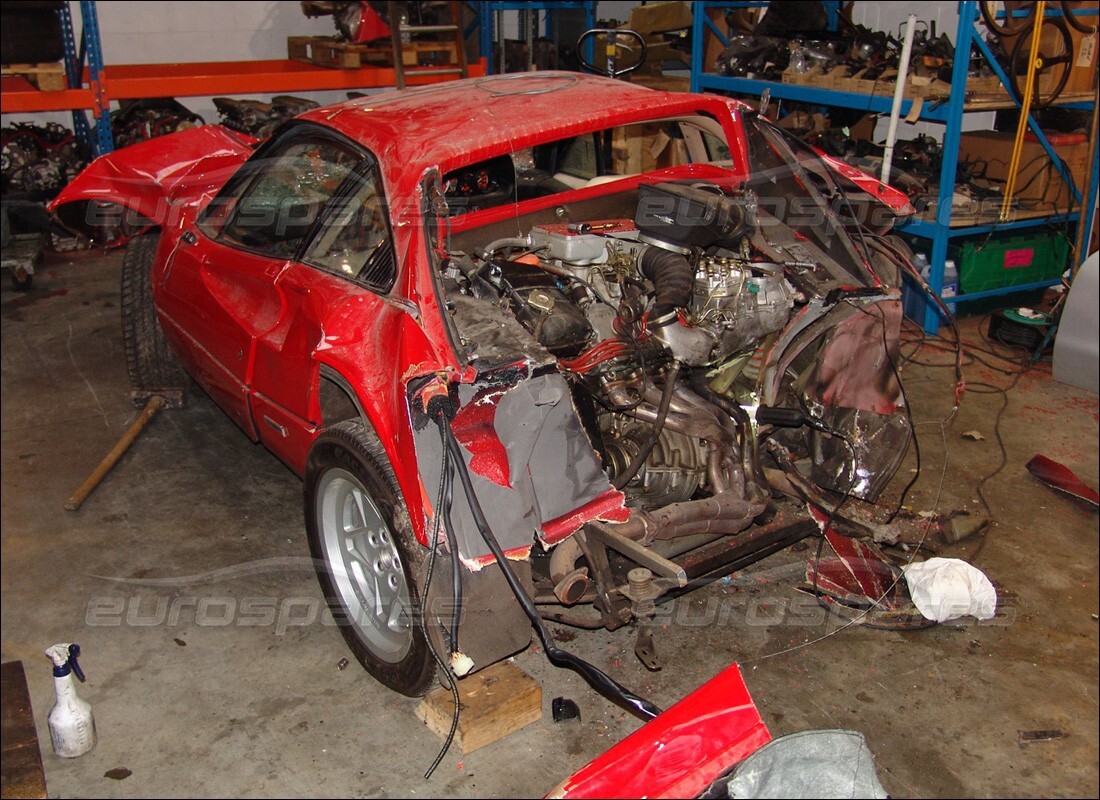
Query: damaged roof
(448, 125)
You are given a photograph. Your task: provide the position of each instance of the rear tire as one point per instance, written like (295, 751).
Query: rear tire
(367, 558)
(150, 362)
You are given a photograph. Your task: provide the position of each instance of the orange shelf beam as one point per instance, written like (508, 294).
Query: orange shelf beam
(136, 81)
(17, 95)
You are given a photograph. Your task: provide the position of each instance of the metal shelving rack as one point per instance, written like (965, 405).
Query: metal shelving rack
(940, 232)
(490, 20)
(95, 85)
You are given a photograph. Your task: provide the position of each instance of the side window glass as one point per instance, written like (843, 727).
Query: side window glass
(355, 240)
(274, 212)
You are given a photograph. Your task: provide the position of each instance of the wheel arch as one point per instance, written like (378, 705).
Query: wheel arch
(339, 401)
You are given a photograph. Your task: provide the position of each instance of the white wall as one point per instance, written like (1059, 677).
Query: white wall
(156, 32)
(184, 32)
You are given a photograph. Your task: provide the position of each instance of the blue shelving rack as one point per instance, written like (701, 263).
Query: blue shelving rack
(100, 140)
(487, 20)
(950, 113)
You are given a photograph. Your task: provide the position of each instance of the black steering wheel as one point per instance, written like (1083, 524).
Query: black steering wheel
(614, 44)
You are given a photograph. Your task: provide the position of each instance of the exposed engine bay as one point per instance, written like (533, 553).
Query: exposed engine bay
(717, 359)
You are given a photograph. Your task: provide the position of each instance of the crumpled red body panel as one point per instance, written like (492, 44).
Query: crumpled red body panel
(151, 177)
(680, 752)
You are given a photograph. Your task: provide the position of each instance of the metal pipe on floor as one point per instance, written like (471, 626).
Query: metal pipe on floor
(155, 404)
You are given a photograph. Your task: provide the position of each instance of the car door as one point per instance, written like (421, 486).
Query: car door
(219, 293)
(344, 273)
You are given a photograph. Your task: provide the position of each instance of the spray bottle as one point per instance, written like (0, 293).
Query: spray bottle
(72, 727)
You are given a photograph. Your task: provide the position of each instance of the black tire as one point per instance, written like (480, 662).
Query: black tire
(347, 458)
(152, 365)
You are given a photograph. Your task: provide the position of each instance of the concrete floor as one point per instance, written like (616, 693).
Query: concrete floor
(185, 580)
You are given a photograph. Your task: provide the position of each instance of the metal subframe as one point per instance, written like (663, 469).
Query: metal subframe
(718, 556)
(949, 112)
(491, 16)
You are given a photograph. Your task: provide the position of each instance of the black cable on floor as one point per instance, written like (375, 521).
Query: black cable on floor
(987, 388)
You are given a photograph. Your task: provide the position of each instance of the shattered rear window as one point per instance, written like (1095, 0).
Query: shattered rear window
(585, 160)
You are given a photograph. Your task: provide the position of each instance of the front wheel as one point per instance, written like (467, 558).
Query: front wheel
(366, 556)
(150, 362)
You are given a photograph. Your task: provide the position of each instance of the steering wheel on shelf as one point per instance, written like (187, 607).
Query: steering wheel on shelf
(1007, 19)
(614, 45)
(1053, 62)
(1004, 20)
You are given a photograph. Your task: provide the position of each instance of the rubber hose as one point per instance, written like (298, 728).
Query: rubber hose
(662, 413)
(673, 280)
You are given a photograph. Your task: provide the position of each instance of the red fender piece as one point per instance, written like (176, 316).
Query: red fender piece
(1060, 477)
(860, 584)
(680, 752)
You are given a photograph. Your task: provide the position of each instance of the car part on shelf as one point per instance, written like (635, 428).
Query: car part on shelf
(257, 118)
(36, 161)
(1007, 19)
(635, 45)
(1053, 62)
(138, 120)
(1015, 18)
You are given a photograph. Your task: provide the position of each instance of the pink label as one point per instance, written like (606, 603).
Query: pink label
(1019, 258)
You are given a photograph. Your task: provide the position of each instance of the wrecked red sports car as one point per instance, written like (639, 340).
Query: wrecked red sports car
(612, 339)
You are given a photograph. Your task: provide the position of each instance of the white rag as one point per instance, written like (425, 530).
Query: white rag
(948, 588)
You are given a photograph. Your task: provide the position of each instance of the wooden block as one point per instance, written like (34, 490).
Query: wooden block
(21, 767)
(45, 77)
(328, 51)
(492, 704)
(297, 47)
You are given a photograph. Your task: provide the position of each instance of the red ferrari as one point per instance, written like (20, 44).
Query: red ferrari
(542, 347)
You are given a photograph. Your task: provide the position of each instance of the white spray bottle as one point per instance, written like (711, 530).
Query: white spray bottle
(72, 727)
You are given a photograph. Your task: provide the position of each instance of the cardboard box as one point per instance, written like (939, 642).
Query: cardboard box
(1038, 181)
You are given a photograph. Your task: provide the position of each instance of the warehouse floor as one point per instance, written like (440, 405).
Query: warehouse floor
(185, 579)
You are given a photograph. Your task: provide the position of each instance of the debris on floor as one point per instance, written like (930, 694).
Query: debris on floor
(963, 526)
(1046, 735)
(809, 764)
(564, 710)
(861, 584)
(948, 588)
(1060, 477)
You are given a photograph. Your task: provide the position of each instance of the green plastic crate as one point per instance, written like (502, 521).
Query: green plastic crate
(1009, 260)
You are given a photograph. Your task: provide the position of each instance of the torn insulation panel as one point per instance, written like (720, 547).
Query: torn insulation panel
(534, 469)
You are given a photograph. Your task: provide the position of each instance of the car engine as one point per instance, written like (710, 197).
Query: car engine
(717, 357)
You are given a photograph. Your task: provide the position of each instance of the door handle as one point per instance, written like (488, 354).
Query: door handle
(189, 237)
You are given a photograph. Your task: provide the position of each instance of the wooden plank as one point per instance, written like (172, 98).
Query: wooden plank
(44, 77)
(21, 773)
(493, 703)
(328, 51)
